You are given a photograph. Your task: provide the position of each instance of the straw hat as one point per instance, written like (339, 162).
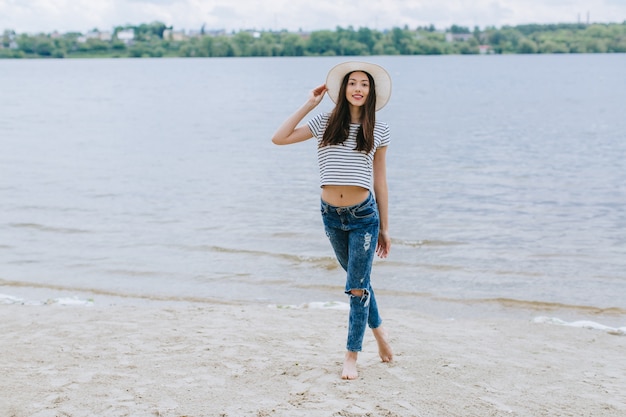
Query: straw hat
(382, 80)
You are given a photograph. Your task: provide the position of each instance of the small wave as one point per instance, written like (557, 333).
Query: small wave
(131, 273)
(286, 234)
(538, 305)
(322, 305)
(112, 293)
(326, 262)
(389, 264)
(70, 301)
(105, 195)
(584, 324)
(9, 299)
(64, 301)
(44, 228)
(420, 243)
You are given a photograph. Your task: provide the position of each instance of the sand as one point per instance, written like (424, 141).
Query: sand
(202, 359)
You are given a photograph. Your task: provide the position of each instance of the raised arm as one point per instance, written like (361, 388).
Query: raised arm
(289, 132)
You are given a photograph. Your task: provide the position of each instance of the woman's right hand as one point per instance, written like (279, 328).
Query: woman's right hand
(288, 132)
(317, 94)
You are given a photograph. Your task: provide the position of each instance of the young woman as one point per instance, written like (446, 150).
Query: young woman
(354, 200)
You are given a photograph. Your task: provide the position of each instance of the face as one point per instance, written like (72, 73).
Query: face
(358, 88)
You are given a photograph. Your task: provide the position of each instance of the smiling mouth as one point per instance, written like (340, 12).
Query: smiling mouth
(357, 96)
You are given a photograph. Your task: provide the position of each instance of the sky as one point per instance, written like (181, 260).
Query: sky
(32, 16)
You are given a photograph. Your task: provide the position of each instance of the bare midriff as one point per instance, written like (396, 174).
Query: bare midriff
(344, 195)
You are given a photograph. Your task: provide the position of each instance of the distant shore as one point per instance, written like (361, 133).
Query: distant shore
(156, 40)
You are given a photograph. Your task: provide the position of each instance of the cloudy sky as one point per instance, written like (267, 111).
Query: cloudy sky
(84, 15)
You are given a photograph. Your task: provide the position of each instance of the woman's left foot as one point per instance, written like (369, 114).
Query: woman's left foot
(384, 349)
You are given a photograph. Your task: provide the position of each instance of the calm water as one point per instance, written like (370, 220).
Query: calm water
(158, 178)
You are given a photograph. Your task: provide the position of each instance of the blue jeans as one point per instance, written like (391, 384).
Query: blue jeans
(353, 233)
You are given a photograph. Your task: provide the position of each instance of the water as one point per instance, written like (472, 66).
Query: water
(157, 178)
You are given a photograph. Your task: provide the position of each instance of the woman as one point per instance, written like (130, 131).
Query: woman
(354, 199)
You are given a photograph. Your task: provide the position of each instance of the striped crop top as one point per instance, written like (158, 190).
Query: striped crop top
(342, 164)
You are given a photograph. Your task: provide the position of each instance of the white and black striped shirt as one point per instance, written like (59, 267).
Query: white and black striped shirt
(342, 164)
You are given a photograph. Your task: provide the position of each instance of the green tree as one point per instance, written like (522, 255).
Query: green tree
(596, 46)
(271, 42)
(477, 34)
(552, 47)
(147, 31)
(293, 45)
(206, 44)
(402, 40)
(429, 47)
(597, 31)
(27, 44)
(117, 45)
(618, 41)
(459, 30)
(322, 42)
(348, 47)
(7, 35)
(97, 45)
(44, 47)
(138, 50)
(385, 46)
(527, 46)
(504, 40)
(242, 41)
(223, 47)
(368, 38)
(468, 48)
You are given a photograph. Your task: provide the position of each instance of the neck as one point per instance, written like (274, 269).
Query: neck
(355, 114)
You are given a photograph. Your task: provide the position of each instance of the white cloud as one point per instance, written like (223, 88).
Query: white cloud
(83, 15)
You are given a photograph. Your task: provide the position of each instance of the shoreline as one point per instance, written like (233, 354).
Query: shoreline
(611, 322)
(203, 359)
(430, 305)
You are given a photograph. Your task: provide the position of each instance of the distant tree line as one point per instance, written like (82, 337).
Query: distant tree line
(158, 40)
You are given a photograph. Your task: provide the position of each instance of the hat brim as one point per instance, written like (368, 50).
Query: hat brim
(382, 80)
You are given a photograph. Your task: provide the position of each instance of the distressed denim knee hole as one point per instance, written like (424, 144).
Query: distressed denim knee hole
(364, 297)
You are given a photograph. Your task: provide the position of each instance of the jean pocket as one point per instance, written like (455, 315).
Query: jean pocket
(365, 212)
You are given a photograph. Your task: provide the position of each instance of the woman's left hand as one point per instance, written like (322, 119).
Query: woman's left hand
(384, 244)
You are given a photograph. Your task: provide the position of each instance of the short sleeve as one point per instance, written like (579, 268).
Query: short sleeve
(317, 125)
(382, 135)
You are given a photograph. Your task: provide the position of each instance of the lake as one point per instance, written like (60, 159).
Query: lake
(156, 178)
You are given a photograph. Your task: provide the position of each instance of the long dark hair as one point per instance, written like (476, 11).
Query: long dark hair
(338, 125)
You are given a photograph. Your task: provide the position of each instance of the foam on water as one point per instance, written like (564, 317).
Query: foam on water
(584, 324)
(63, 301)
(323, 305)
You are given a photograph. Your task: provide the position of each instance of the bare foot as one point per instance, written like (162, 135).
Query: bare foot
(384, 349)
(349, 366)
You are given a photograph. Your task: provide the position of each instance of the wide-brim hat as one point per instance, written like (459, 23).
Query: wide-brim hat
(382, 80)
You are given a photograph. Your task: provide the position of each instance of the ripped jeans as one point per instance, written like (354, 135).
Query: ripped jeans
(353, 233)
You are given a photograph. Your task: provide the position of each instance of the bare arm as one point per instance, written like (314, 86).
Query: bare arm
(289, 132)
(382, 200)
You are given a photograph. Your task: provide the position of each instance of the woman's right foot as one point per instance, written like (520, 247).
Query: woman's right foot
(349, 366)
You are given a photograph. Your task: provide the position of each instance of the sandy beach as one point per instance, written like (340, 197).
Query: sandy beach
(202, 359)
